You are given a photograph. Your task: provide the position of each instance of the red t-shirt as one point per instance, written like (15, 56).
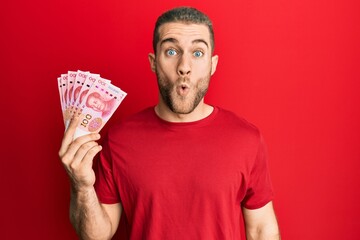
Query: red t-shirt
(184, 180)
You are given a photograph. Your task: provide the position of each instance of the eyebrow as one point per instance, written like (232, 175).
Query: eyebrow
(173, 40)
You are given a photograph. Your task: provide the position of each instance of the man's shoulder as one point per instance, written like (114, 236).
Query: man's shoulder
(235, 120)
(140, 118)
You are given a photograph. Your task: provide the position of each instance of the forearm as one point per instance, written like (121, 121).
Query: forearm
(261, 223)
(263, 234)
(88, 217)
(260, 237)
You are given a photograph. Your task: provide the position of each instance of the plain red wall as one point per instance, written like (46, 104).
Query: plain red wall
(290, 67)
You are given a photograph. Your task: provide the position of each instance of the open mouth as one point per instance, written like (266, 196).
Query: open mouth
(183, 89)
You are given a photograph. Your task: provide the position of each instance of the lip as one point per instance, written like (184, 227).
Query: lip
(182, 89)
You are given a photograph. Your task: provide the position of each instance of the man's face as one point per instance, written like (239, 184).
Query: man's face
(183, 65)
(96, 103)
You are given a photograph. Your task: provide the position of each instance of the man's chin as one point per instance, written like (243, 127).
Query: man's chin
(183, 109)
(183, 112)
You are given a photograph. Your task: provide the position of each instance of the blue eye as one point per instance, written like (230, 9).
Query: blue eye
(198, 54)
(171, 52)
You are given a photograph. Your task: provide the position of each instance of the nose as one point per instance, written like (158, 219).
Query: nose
(184, 67)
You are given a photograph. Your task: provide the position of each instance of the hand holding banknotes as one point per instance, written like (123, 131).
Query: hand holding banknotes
(87, 102)
(77, 157)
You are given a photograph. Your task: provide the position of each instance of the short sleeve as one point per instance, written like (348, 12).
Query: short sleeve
(260, 190)
(105, 186)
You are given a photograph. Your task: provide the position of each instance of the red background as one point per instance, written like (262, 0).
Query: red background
(290, 67)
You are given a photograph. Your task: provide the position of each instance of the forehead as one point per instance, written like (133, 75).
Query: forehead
(184, 32)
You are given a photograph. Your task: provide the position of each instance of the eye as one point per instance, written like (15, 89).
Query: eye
(171, 52)
(198, 54)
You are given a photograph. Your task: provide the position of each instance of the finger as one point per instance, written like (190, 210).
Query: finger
(89, 157)
(82, 151)
(69, 135)
(84, 143)
(84, 162)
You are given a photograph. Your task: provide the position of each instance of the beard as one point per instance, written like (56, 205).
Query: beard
(182, 103)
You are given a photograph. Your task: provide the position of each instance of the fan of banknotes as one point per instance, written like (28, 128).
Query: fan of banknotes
(89, 96)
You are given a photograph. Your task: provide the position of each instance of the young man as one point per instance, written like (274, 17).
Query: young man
(182, 169)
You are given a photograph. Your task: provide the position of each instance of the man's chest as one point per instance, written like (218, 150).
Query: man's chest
(211, 167)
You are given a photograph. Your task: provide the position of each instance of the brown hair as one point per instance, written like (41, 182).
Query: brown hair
(184, 15)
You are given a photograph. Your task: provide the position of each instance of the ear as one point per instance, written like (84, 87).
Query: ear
(214, 62)
(152, 61)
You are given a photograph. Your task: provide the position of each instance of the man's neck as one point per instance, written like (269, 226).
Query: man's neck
(200, 112)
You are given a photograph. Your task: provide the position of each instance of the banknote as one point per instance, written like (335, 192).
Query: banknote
(98, 106)
(93, 98)
(81, 91)
(71, 76)
(64, 97)
(60, 88)
(64, 79)
(79, 80)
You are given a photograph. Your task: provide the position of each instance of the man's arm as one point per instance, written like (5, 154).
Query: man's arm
(90, 218)
(261, 224)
